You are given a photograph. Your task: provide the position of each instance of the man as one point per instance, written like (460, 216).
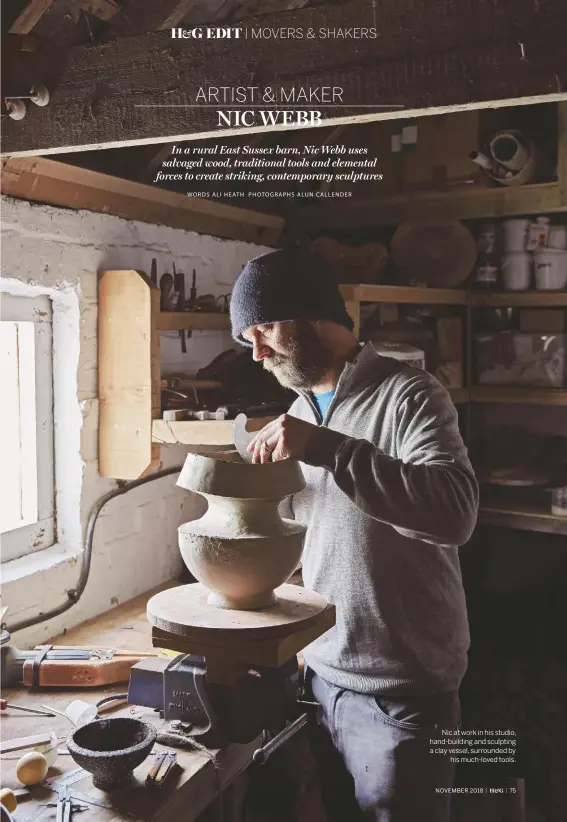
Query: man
(390, 497)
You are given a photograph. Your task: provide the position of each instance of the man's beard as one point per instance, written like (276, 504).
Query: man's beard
(306, 361)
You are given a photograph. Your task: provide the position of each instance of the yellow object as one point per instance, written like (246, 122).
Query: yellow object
(8, 799)
(32, 768)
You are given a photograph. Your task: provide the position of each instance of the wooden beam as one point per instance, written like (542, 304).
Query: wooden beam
(524, 518)
(206, 432)
(192, 321)
(31, 15)
(47, 181)
(103, 9)
(441, 57)
(468, 203)
(156, 161)
(177, 13)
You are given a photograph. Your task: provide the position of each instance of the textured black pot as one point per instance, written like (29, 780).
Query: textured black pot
(110, 749)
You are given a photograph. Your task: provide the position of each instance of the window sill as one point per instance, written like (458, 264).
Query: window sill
(38, 582)
(37, 562)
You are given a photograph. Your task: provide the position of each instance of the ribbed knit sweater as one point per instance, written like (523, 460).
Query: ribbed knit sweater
(390, 496)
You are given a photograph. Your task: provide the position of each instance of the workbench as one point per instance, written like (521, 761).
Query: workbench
(195, 785)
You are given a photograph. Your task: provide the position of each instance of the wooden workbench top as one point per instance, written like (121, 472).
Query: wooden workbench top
(187, 792)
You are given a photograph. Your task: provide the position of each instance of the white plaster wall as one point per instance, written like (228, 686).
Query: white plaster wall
(59, 252)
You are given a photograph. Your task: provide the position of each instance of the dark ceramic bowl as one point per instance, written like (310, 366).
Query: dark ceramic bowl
(110, 749)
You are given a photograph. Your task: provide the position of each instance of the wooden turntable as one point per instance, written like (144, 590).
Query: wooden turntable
(232, 641)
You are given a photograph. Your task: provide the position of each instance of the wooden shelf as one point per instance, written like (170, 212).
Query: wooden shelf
(461, 203)
(196, 432)
(526, 299)
(524, 396)
(192, 321)
(529, 518)
(403, 294)
(459, 395)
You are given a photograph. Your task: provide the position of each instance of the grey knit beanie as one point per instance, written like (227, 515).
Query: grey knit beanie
(289, 284)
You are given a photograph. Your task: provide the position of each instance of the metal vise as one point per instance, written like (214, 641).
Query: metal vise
(264, 699)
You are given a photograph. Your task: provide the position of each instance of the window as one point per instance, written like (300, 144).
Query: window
(27, 477)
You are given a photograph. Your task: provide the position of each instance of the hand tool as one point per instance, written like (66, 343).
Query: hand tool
(193, 291)
(62, 666)
(163, 763)
(179, 285)
(237, 712)
(100, 803)
(153, 272)
(168, 299)
(5, 704)
(66, 779)
(66, 804)
(261, 755)
(242, 438)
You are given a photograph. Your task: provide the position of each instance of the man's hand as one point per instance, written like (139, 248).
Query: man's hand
(284, 438)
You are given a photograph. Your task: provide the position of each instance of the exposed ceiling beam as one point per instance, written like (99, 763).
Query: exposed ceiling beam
(156, 161)
(432, 60)
(59, 184)
(177, 13)
(103, 9)
(31, 15)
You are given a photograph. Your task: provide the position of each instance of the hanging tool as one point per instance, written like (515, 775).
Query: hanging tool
(153, 272)
(193, 291)
(5, 704)
(179, 285)
(168, 298)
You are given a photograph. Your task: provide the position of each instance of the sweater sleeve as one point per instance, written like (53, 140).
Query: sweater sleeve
(430, 493)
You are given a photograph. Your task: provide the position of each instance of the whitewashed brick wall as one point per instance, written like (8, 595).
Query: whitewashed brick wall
(59, 252)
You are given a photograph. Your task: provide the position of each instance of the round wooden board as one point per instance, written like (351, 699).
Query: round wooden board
(184, 611)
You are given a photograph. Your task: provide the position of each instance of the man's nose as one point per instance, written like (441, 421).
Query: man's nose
(260, 350)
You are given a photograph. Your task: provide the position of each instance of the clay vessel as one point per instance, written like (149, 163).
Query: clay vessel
(110, 749)
(241, 548)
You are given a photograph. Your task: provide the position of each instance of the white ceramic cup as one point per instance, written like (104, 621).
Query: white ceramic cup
(516, 271)
(80, 712)
(559, 501)
(515, 234)
(550, 269)
(557, 237)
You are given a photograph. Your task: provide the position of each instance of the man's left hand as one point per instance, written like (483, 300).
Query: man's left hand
(284, 438)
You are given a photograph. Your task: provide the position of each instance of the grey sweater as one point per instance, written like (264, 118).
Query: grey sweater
(390, 496)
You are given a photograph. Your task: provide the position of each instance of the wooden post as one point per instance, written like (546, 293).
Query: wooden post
(129, 378)
(353, 310)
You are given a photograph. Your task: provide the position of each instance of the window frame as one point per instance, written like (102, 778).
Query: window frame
(27, 538)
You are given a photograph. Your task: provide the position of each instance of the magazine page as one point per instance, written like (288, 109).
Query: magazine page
(283, 431)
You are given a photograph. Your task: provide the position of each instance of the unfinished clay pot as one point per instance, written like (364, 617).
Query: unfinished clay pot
(241, 549)
(110, 749)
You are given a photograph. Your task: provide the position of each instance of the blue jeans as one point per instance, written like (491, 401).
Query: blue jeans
(372, 754)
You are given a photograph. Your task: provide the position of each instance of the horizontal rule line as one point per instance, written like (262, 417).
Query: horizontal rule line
(259, 105)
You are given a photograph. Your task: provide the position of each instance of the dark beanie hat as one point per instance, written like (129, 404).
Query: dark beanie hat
(289, 284)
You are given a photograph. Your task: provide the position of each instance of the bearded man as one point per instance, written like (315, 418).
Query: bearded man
(390, 497)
